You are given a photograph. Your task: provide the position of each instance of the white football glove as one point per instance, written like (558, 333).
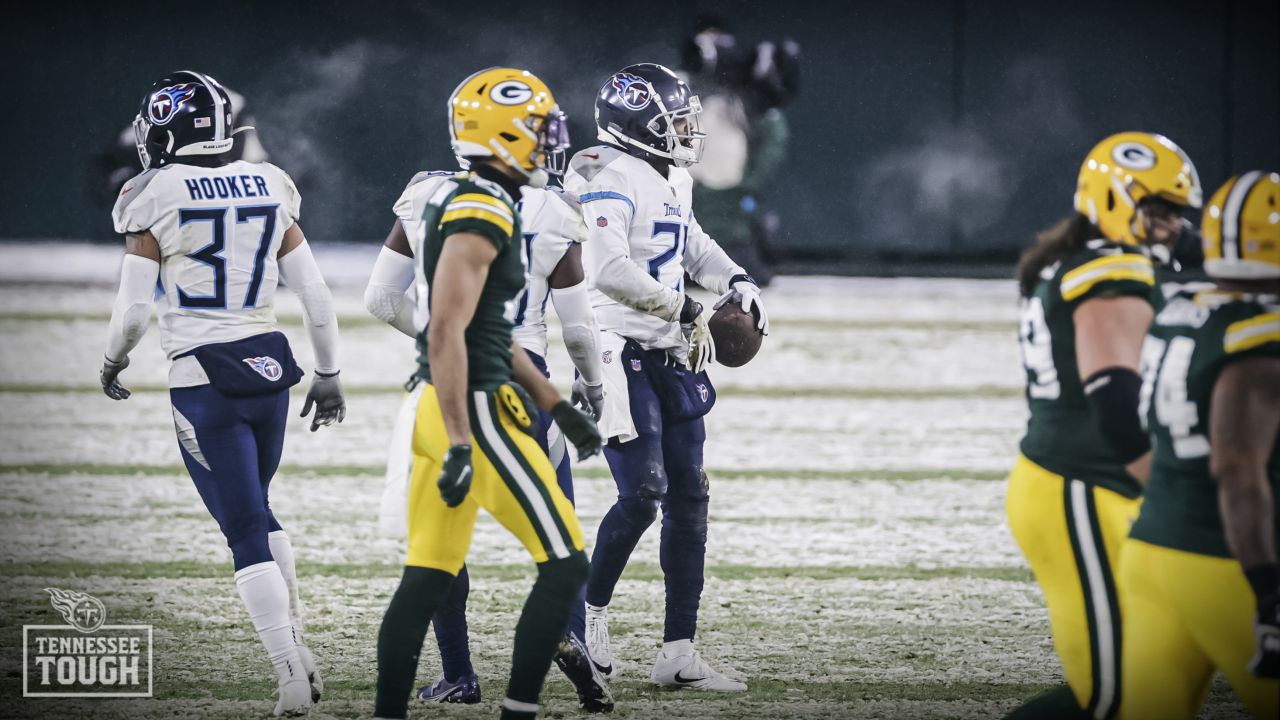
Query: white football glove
(693, 323)
(747, 294)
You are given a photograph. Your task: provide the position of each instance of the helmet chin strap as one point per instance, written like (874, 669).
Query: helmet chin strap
(536, 178)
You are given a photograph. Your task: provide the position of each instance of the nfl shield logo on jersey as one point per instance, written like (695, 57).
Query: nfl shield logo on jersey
(267, 367)
(635, 364)
(606, 357)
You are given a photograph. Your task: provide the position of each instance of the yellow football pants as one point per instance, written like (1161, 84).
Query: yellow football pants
(513, 480)
(1189, 615)
(1071, 533)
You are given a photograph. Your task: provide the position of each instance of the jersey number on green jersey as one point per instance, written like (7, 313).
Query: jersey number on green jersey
(1037, 351)
(1164, 381)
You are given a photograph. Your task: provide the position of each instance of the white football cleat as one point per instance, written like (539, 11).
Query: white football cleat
(598, 646)
(295, 698)
(313, 674)
(680, 666)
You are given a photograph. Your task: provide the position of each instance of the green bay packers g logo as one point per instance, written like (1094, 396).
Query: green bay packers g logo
(511, 92)
(1134, 156)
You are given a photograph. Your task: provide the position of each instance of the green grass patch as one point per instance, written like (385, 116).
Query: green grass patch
(801, 392)
(638, 571)
(781, 324)
(587, 473)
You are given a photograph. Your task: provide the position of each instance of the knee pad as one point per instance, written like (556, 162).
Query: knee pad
(641, 511)
(688, 512)
(247, 538)
(565, 575)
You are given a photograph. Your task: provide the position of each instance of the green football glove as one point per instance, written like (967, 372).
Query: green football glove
(579, 428)
(455, 475)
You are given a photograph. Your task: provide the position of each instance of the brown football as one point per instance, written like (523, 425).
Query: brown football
(735, 334)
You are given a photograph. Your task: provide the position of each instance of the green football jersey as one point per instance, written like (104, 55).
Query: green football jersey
(1191, 341)
(1062, 436)
(437, 205)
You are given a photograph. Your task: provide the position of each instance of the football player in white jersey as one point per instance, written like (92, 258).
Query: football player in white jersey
(219, 236)
(636, 199)
(552, 233)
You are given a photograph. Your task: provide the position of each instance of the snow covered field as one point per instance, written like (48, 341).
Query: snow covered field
(859, 564)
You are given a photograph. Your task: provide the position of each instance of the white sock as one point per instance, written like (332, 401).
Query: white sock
(676, 648)
(282, 551)
(266, 597)
(596, 609)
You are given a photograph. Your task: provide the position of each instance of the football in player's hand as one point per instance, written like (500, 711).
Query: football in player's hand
(735, 334)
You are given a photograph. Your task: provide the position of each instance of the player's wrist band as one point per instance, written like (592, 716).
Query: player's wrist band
(327, 375)
(743, 277)
(1264, 579)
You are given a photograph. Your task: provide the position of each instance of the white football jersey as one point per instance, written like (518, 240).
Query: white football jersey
(551, 221)
(219, 231)
(631, 209)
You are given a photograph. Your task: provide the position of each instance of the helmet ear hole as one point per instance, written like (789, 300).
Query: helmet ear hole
(508, 136)
(1111, 200)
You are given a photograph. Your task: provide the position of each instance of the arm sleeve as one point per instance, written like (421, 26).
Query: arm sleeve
(607, 258)
(132, 311)
(581, 337)
(707, 262)
(1112, 394)
(385, 297)
(299, 271)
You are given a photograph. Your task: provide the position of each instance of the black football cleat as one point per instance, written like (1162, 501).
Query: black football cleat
(464, 690)
(575, 662)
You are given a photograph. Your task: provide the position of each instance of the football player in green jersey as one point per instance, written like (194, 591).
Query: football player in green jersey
(507, 128)
(1088, 295)
(1207, 528)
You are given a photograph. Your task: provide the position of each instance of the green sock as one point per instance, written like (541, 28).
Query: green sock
(541, 625)
(404, 627)
(1056, 704)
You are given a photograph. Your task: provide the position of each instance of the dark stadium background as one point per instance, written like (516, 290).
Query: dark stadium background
(928, 137)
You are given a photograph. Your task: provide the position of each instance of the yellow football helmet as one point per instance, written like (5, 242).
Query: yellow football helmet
(1241, 228)
(1125, 168)
(509, 114)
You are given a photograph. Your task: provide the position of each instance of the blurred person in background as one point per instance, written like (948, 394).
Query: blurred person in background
(1089, 292)
(743, 90)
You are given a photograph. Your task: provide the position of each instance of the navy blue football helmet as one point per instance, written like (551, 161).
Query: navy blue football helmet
(647, 110)
(184, 113)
